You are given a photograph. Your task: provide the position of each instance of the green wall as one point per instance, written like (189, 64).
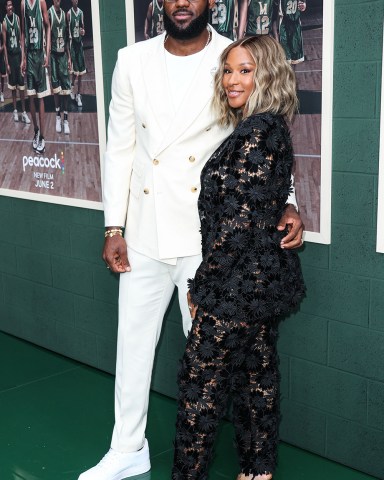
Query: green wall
(56, 292)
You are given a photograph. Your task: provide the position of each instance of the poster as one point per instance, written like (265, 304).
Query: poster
(67, 170)
(312, 128)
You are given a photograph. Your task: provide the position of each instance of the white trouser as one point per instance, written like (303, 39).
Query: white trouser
(144, 296)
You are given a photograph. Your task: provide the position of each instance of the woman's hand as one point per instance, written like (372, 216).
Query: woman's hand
(191, 306)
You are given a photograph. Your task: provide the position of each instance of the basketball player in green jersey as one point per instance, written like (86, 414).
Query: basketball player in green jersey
(36, 39)
(258, 18)
(60, 63)
(12, 56)
(222, 18)
(3, 68)
(75, 19)
(290, 32)
(154, 21)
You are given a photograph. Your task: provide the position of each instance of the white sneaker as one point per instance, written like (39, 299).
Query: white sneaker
(35, 140)
(58, 124)
(73, 95)
(15, 116)
(117, 466)
(40, 146)
(1, 97)
(66, 127)
(25, 118)
(78, 100)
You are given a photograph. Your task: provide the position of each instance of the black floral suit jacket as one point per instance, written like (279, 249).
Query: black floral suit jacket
(244, 188)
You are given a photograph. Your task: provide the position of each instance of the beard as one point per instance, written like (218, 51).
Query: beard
(193, 30)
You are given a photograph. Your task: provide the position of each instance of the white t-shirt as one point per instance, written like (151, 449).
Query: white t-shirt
(178, 69)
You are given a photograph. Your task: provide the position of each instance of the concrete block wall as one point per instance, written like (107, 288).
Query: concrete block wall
(332, 352)
(56, 292)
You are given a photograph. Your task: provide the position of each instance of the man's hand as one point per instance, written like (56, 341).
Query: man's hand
(292, 221)
(191, 306)
(115, 254)
(46, 60)
(23, 66)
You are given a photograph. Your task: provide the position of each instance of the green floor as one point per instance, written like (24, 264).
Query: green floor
(56, 418)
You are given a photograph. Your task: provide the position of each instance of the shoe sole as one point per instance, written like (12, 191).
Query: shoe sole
(133, 471)
(128, 472)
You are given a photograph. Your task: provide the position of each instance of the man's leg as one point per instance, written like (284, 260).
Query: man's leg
(14, 99)
(144, 296)
(22, 100)
(15, 114)
(41, 116)
(32, 108)
(65, 109)
(57, 110)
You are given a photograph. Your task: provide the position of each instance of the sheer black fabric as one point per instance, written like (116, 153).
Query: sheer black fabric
(245, 282)
(222, 358)
(244, 188)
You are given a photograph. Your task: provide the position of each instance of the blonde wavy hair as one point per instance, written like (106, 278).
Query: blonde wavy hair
(275, 83)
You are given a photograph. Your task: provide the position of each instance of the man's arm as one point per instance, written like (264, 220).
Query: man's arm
(2, 42)
(243, 12)
(148, 22)
(82, 27)
(23, 59)
(275, 20)
(4, 37)
(118, 162)
(47, 28)
(67, 44)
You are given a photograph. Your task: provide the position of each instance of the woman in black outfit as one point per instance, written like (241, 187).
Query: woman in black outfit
(246, 281)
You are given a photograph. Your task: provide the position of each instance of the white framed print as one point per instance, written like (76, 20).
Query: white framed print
(311, 56)
(67, 171)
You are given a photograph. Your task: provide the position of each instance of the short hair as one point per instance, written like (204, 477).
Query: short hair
(274, 82)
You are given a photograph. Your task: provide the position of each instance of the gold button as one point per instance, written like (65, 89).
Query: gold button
(146, 191)
(192, 159)
(143, 125)
(156, 162)
(194, 189)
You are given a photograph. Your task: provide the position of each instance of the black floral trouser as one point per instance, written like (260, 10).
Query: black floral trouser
(222, 358)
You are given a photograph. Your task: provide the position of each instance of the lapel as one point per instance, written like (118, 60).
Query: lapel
(154, 75)
(199, 93)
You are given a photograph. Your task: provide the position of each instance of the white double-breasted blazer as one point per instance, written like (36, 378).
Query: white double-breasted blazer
(154, 156)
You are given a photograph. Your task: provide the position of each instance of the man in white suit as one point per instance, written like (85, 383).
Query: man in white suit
(161, 132)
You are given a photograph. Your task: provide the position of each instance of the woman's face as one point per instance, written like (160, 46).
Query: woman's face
(238, 75)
